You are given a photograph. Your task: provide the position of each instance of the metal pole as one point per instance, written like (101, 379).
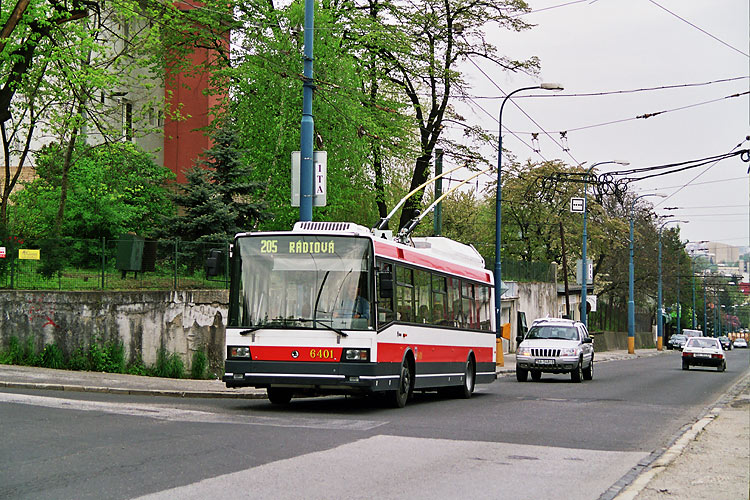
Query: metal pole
(498, 198)
(631, 300)
(584, 264)
(692, 278)
(659, 332)
(705, 312)
(678, 303)
(308, 125)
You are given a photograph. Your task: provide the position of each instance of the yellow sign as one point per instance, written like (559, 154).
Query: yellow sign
(25, 253)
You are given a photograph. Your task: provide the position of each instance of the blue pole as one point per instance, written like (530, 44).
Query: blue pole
(307, 126)
(631, 300)
(659, 328)
(584, 264)
(693, 280)
(678, 303)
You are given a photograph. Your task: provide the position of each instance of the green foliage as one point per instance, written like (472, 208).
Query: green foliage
(79, 360)
(198, 365)
(112, 189)
(28, 353)
(219, 199)
(52, 357)
(168, 365)
(136, 367)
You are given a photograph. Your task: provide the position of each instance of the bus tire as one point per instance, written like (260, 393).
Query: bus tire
(470, 376)
(399, 397)
(279, 396)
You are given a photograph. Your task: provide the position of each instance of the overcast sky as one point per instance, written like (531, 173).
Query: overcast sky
(615, 45)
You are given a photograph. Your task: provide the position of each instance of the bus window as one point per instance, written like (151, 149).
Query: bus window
(385, 303)
(467, 304)
(483, 307)
(404, 294)
(422, 286)
(454, 301)
(439, 301)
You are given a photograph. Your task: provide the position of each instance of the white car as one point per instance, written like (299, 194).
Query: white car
(740, 342)
(555, 346)
(703, 351)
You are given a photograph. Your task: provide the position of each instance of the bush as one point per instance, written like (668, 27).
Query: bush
(137, 367)
(52, 357)
(79, 360)
(169, 365)
(199, 365)
(28, 353)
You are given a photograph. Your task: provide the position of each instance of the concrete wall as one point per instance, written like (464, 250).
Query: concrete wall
(613, 341)
(537, 300)
(182, 322)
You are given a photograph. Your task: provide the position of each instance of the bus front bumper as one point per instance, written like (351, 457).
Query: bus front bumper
(328, 376)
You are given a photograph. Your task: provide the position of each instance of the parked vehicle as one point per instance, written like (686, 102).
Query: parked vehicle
(703, 351)
(555, 345)
(677, 341)
(726, 343)
(740, 343)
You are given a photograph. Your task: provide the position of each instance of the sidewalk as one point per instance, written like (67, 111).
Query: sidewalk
(710, 460)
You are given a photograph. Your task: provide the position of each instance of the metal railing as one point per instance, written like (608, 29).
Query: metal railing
(129, 263)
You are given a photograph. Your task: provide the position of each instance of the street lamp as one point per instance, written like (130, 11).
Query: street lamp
(498, 198)
(631, 301)
(659, 327)
(584, 266)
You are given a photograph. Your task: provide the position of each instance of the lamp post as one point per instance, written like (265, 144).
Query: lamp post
(659, 326)
(585, 267)
(498, 198)
(631, 301)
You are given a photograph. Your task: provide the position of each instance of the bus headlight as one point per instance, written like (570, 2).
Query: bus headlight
(356, 355)
(238, 352)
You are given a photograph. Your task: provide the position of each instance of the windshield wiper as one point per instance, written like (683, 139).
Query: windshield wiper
(329, 327)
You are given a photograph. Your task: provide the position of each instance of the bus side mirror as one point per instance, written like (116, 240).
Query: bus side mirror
(385, 284)
(213, 262)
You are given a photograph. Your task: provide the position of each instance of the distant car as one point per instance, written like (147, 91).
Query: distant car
(555, 346)
(726, 343)
(740, 343)
(703, 351)
(676, 341)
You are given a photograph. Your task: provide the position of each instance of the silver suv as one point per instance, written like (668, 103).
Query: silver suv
(555, 345)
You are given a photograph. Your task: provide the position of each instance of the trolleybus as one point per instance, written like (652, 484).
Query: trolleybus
(337, 308)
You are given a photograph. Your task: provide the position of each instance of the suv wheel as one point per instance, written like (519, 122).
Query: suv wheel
(521, 374)
(588, 372)
(536, 375)
(577, 374)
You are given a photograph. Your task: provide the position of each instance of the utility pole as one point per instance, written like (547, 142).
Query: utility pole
(437, 220)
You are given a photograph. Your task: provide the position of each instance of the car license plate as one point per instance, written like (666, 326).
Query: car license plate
(545, 361)
(701, 355)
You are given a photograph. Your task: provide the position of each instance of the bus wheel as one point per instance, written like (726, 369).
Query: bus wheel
(401, 395)
(279, 396)
(467, 388)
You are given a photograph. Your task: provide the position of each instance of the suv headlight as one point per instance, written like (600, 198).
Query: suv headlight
(523, 351)
(570, 351)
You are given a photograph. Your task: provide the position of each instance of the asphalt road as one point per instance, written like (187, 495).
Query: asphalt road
(548, 439)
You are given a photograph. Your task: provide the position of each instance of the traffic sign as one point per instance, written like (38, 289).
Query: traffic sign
(578, 205)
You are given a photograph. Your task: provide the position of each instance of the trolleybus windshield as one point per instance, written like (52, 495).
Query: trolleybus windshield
(303, 281)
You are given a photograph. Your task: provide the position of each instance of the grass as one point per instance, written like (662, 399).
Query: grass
(101, 356)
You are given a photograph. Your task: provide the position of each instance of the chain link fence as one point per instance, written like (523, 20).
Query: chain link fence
(128, 263)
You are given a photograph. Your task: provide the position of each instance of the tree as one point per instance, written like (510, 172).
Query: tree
(419, 49)
(219, 199)
(112, 189)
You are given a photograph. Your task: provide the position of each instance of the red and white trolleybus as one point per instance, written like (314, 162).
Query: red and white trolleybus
(335, 308)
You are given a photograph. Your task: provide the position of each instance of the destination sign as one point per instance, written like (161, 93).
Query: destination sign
(272, 246)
